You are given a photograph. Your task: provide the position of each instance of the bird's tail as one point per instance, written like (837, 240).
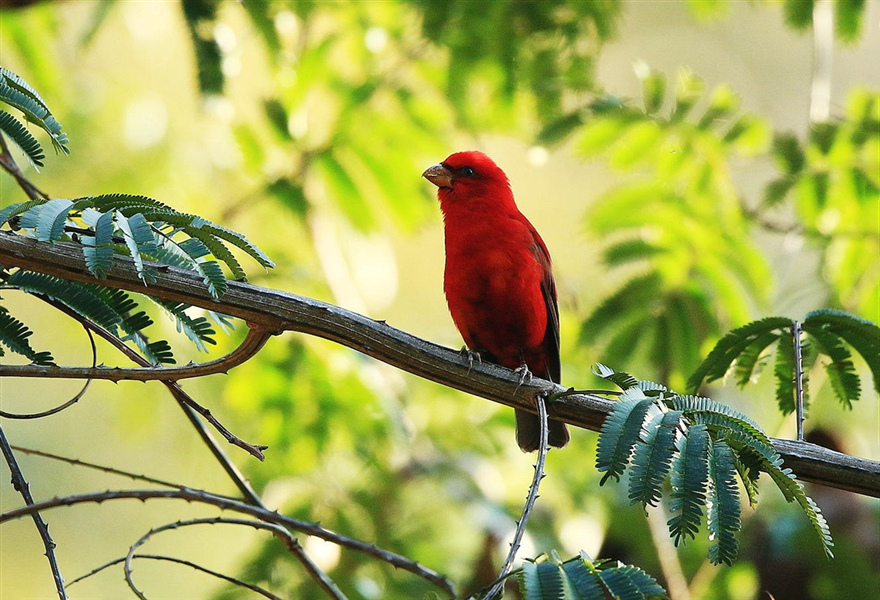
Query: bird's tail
(528, 432)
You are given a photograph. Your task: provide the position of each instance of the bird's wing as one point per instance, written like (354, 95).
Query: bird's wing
(548, 290)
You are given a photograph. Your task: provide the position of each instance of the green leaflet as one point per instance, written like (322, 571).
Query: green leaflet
(99, 255)
(581, 578)
(730, 347)
(14, 335)
(16, 92)
(862, 335)
(138, 238)
(197, 329)
(841, 371)
(653, 458)
(748, 363)
(783, 371)
(689, 480)
(620, 432)
(47, 219)
(723, 520)
(22, 138)
(110, 308)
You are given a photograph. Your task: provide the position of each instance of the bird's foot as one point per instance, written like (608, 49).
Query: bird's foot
(471, 356)
(524, 375)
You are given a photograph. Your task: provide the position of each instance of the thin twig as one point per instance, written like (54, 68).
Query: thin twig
(530, 502)
(22, 487)
(67, 404)
(798, 378)
(256, 338)
(265, 515)
(113, 471)
(238, 582)
(292, 544)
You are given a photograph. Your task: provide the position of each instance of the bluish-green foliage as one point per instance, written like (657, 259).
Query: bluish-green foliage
(703, 448)
(582, 578)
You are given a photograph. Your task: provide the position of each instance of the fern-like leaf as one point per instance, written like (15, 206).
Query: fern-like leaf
(14, 335)
(784, 372)
(22, 138)
(79, 297)
(197, 329)
(621, 379)
(748, 363)
(139, 239)
(99, 254)
(581, 578)
(862, 335)
(748, 466)
(690, 474)
(218, 250)
(792, 489)
(620, 432)
(715, 414)
(652, 457)
(13, 210)
(724, 513)
(841, 370)
(730, 347)
(16, 92)
(542, 581)
(238, 240)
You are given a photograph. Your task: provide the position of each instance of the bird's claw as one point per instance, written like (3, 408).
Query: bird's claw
(524, 375)
(471, 355)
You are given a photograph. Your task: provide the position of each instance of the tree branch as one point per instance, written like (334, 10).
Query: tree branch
(21, 486)
(263, 514)
(186, 563)
(276, 310)
(255, 340)
(280, 532)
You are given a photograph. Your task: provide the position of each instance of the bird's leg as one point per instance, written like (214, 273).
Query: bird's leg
(524, 374)
(471, 355)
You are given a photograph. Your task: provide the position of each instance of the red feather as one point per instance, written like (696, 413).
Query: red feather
(498, 279)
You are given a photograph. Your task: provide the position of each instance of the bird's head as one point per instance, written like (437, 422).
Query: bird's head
(468, 175)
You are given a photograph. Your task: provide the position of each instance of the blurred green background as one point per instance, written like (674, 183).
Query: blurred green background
(663, 149)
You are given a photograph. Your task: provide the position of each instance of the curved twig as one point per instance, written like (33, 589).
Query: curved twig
(238, 582)
(21, 485)
(67, 404)
(291, 542)
(185, 400)
(256, 338)
(263, 514)
(529, 505)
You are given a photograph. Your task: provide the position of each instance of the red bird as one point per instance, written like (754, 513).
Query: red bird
(498, 279)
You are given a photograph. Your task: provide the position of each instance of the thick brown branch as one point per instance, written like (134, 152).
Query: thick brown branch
(276, 310)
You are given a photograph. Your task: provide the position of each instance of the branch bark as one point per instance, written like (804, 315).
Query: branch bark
(276, 311)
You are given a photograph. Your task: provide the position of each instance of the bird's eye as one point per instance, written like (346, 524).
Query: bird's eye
(467, 171)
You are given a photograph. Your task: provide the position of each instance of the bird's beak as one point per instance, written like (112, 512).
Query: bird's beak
(439, 176)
